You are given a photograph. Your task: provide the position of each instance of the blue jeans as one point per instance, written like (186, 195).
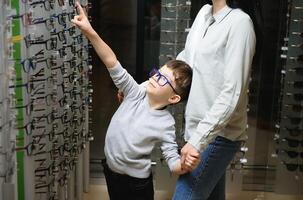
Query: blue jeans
(207, 181)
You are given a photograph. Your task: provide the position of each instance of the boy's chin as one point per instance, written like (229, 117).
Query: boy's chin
(149, 91)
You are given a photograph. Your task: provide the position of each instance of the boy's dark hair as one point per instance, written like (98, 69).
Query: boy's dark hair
(183, 75)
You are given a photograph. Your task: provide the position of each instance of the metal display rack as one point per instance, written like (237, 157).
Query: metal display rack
(289, 137)
(7, 132)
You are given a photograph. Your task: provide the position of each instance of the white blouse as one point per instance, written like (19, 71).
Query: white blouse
(220, 49)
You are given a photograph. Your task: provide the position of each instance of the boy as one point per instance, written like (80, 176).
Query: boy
(140, 122)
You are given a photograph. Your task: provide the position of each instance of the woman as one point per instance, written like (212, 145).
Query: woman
(220, 47)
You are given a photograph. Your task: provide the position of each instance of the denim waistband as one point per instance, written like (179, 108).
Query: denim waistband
(223, 139)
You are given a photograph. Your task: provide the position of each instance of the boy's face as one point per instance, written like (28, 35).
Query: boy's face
(161, 85)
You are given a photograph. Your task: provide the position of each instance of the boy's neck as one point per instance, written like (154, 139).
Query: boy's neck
(157, 105)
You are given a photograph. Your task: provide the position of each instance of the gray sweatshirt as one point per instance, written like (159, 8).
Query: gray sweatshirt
(135, 128)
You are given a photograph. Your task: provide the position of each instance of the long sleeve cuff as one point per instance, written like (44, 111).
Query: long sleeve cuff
(197, 142)
(172, 164)
(115, 70)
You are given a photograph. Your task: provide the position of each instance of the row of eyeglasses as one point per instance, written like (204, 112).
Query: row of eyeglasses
(49, 66)
(290, 129)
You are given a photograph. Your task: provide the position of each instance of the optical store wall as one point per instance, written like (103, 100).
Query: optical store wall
(47, 149)
(45, 97)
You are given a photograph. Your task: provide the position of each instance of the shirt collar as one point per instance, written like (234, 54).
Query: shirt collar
(220, 15)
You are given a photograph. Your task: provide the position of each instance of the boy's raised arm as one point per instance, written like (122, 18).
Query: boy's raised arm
(105, 53)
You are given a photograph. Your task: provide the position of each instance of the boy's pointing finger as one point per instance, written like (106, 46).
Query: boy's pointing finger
(80, 9)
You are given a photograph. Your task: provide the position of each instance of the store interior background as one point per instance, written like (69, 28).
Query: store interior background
(132, 28)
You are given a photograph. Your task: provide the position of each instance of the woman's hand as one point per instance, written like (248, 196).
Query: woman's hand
(190, 157)
(82, 22)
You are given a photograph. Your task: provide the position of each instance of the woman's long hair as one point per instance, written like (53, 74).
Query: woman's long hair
(250, 7)
(254, 10)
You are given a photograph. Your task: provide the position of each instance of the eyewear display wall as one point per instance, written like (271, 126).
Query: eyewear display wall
(45, 97)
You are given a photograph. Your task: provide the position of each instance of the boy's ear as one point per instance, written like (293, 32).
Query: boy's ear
(174, 99)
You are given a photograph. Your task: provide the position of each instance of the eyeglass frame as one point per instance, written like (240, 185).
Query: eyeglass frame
(159, 76)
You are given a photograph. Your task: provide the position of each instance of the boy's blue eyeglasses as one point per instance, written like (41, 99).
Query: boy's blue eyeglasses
(161, 79)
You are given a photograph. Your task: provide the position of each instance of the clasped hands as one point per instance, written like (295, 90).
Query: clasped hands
(190, 157)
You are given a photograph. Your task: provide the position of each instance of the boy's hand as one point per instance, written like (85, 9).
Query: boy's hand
(81, 21)
(178, 169)
(120, 96)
